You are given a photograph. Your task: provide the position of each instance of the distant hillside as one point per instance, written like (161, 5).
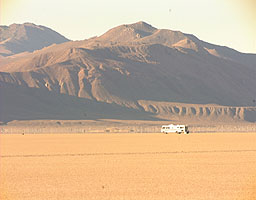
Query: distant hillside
(18, 38)
(140, 68)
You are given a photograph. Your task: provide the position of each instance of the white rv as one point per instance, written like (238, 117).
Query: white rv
(171, 128)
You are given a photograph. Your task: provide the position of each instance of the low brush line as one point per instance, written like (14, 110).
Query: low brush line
(127, 153)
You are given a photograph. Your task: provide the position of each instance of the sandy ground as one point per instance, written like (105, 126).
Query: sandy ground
(128, 166)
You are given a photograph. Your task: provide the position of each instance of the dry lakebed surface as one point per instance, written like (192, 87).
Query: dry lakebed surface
(128, 166)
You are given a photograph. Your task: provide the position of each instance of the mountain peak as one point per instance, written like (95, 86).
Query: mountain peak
(18, 38)
(24, 24)
(142, 26)
(127, 33)
(140, 33)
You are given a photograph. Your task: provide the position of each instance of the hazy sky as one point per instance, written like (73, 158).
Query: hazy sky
(225, 22)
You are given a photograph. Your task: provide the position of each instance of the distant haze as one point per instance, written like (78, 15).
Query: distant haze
(228, 23)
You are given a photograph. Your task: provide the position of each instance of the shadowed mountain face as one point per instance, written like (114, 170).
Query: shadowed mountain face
(137, 67)
(23, 103)
(18, 38)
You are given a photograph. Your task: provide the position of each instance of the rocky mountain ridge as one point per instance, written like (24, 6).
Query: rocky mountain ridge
(136, 63)
(27, 37)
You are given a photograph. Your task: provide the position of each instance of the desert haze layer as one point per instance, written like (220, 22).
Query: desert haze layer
(133, 71)
(128, 166)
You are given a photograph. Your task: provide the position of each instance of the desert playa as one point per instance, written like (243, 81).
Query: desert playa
(128, 166)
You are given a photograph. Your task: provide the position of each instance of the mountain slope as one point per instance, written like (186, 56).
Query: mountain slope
(140, 67)
(18, 38)
(146, 72)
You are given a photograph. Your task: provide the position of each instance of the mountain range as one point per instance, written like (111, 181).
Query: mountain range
(131, 71)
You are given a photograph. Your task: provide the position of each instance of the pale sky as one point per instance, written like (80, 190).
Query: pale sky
(229, 23)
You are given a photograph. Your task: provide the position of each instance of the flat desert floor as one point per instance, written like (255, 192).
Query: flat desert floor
(128, 166)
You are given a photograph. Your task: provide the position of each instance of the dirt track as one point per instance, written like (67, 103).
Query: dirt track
(128, 166)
